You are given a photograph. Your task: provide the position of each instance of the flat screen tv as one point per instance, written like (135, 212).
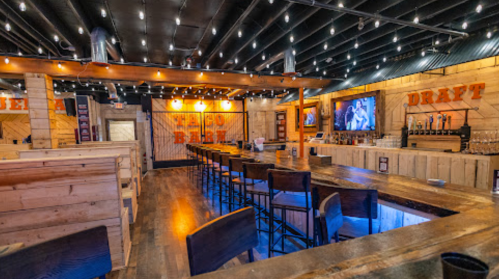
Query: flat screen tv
(355, 115)
(310, 116)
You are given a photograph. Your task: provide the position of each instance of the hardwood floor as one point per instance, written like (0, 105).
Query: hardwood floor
(170, 207)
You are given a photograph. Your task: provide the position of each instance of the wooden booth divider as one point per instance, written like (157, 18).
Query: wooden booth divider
(135, 145)
(126, 166)
(47, 198)
(9, 151)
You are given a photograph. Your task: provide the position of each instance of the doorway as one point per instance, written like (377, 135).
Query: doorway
(280, 122)
(121, 130)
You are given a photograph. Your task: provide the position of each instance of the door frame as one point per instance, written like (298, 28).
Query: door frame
(108, 130)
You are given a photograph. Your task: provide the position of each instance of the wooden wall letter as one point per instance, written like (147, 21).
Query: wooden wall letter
(476, 90)
(16, 103)
(458, 91)
(219, 119)
(426, 97)
(194, 137)
(2, 103)
(413, 99)
(209, 136)
(221, 136)
(443, 95)
(179, 137)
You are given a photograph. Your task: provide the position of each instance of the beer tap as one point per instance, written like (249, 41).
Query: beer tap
(448, 120)
(420, 126)
(439, 117)
(414, 125)
(425, 126)
(431, 121)
(410, 125)
(444, 119)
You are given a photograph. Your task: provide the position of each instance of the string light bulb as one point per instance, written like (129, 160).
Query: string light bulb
(75, 56)
(254, 44)
(199, 52)
(145, 59)
(348, 56)
(416, 19)
(263, 56)
(80, 30)
(395, 38)
(40, 50)
(171, 47)
(465, 25)
(113, 40)
(399, 48)
(325, 46)
(489, 34)
(143, 42)
(56, 38)
(356, 45)
(376, 24)
(8, 27)
(141, 15)
(377, 67)
(103, 13)
(177, 20)
(294, 52)
(236, 60)
(221, 54)
(315, 62)
(59, 65)
(291, 38)
(239, 33)
(479, 8)
(354, 63)
(332, 31)
(22, 7)
(286, 17)
(317, 69)
(7, 60)
(423, 52)
(341, 5)
(384, 59)
(214, 31)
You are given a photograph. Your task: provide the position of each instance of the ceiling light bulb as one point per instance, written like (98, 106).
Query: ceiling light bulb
(348, 56)
(263, 56)
(465, 25)
(341, 5)
(80, 30)
(376, 23)
(103, 13)
(437, 42)
(272, 72)
(479, 8)
(56, 38)
(21, 54)
(207, 67)
(201, 74)
(354, 63)
(316, 69)
(223, 73)
(251, 75)
(294, 52)
(325, 46)
(143, 42)
(348, 70)
(356, 45)
(177, 20)
(254, 44)
(489, 34)
(74, 85)
(75, 56)
(170, 62)
(122, 60)
(239, 33)
(346, 75)
(399, 48)
(7, 60)
(271, 1)
(214, 31)
(377, 66)
(145, 59)
(171, 46)
(245, 68)
(221, 54)
(286, 18)
(113, 40)
(331, 31)
(268, 66)
(159, 73)
(395, 38)
(291, 38)
(315, 62)
(8, 27)
(416, 19)
(423, 52)
(22, 7)
(40, 50)
(141, 15)
(236, 60)
(324, 73)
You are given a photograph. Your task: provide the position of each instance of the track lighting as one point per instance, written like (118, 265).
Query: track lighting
(103, 13)
(80, 30)
(177, 20)
(22, 7)
(141, 15)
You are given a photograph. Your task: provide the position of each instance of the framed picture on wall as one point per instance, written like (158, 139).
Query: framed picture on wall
(311, 117)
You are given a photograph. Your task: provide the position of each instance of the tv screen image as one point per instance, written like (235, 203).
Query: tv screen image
(355, 115)
(310, 116)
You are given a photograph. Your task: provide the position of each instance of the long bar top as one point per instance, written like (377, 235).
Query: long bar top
(408, 252)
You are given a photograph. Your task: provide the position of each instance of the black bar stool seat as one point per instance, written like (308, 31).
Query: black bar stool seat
(294, 202)
(239, 180)
(261, 188)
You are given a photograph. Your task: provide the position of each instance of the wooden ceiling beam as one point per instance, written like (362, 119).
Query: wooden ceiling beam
(72, 69)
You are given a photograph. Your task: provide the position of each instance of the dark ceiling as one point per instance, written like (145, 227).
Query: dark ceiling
(260, 22)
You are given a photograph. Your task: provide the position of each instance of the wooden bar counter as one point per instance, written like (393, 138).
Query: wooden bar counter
(469, 224)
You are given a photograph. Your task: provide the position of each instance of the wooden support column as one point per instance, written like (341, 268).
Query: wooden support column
(41, 111)
(302, 122)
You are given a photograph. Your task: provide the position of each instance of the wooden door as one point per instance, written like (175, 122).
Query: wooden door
(280, 122)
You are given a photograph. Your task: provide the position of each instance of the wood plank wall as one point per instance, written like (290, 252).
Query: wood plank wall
(48, 198)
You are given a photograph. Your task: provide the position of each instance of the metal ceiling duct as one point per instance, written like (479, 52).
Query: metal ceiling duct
(16, 92)
(289, 63)
(100, 48)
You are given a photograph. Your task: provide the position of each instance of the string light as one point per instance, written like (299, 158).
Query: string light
(315, 62)
(416, 19)
(143, 42)
(7, 60)
(236, 60)
(479, 8)
(465, 25)
(376, 24)
(177, 20)
(8, 27)
(239, 33)
(331, 31)
(489, 34)
(348, 56)
(399, 48)
(423, 52)
(56, 38)
(291, 38)
(103, 13)
(254, 44)
(113, 40)
(40, 50)
(75, 56)
(263, 56)
(214, 31)
(22, 7)
(325, 46)
(221, 54)
(199, 52)
(171, 47)
(286, 17)
(80, 30)
(141, 15)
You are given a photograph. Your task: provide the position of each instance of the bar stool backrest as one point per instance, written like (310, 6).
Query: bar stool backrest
(256, 171)
(216, 156)
(360, 203)
(236, 164)
(224, 158)
(82, 255)
(331, 218)
(292, 181)
(213, 244)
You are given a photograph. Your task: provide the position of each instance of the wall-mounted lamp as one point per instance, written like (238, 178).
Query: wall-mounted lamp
(176, 104)
(226, 104)
(200, 106)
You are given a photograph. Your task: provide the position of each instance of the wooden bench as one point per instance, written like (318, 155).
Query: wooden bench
(125, 167)
(47, 198)
(137, 165)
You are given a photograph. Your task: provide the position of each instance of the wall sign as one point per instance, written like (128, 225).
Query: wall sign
(383, 165)
(21, 105)
(193, 121)
(444, 96)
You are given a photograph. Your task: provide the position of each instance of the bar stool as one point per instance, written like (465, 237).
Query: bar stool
(224, 174)
(330, 219)
(236, 166)
(288, 181)
(215, 171)
(257, 171)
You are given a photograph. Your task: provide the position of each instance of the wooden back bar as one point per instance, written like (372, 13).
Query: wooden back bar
(48, 198)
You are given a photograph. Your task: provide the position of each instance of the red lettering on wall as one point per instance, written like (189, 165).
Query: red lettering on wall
(194, 137)
(476, 90)
(59, 104)
(219, 119)
(26, 104)
(179, 118)
(179, 137)
(443, 95)
(209, 136)
(426, 97)
(193, 120)
(16, 103)
(413, 99)
(2, 103)
(221, 136)
(458, 91)
(208, 120)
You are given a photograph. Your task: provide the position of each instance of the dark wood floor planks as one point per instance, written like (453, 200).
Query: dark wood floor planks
(170, 207)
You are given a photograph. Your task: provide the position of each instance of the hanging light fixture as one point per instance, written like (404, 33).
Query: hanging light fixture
(40, 50)
(399, 48)
(423, 52)
(395, 38)
(325, 46)
(254, 44)
(377, 66)
(332, 31)
(465, 25)
(56, 38)
(143, 42)
(315, 62)
(356, 45)
(75, 56)
(113, 40)
(348, 56)
(317, 69)
(489, 34)
(354, 63)
(263, 56)
(236, 60)
(221, 54)
(376, 23)
(7, 60)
